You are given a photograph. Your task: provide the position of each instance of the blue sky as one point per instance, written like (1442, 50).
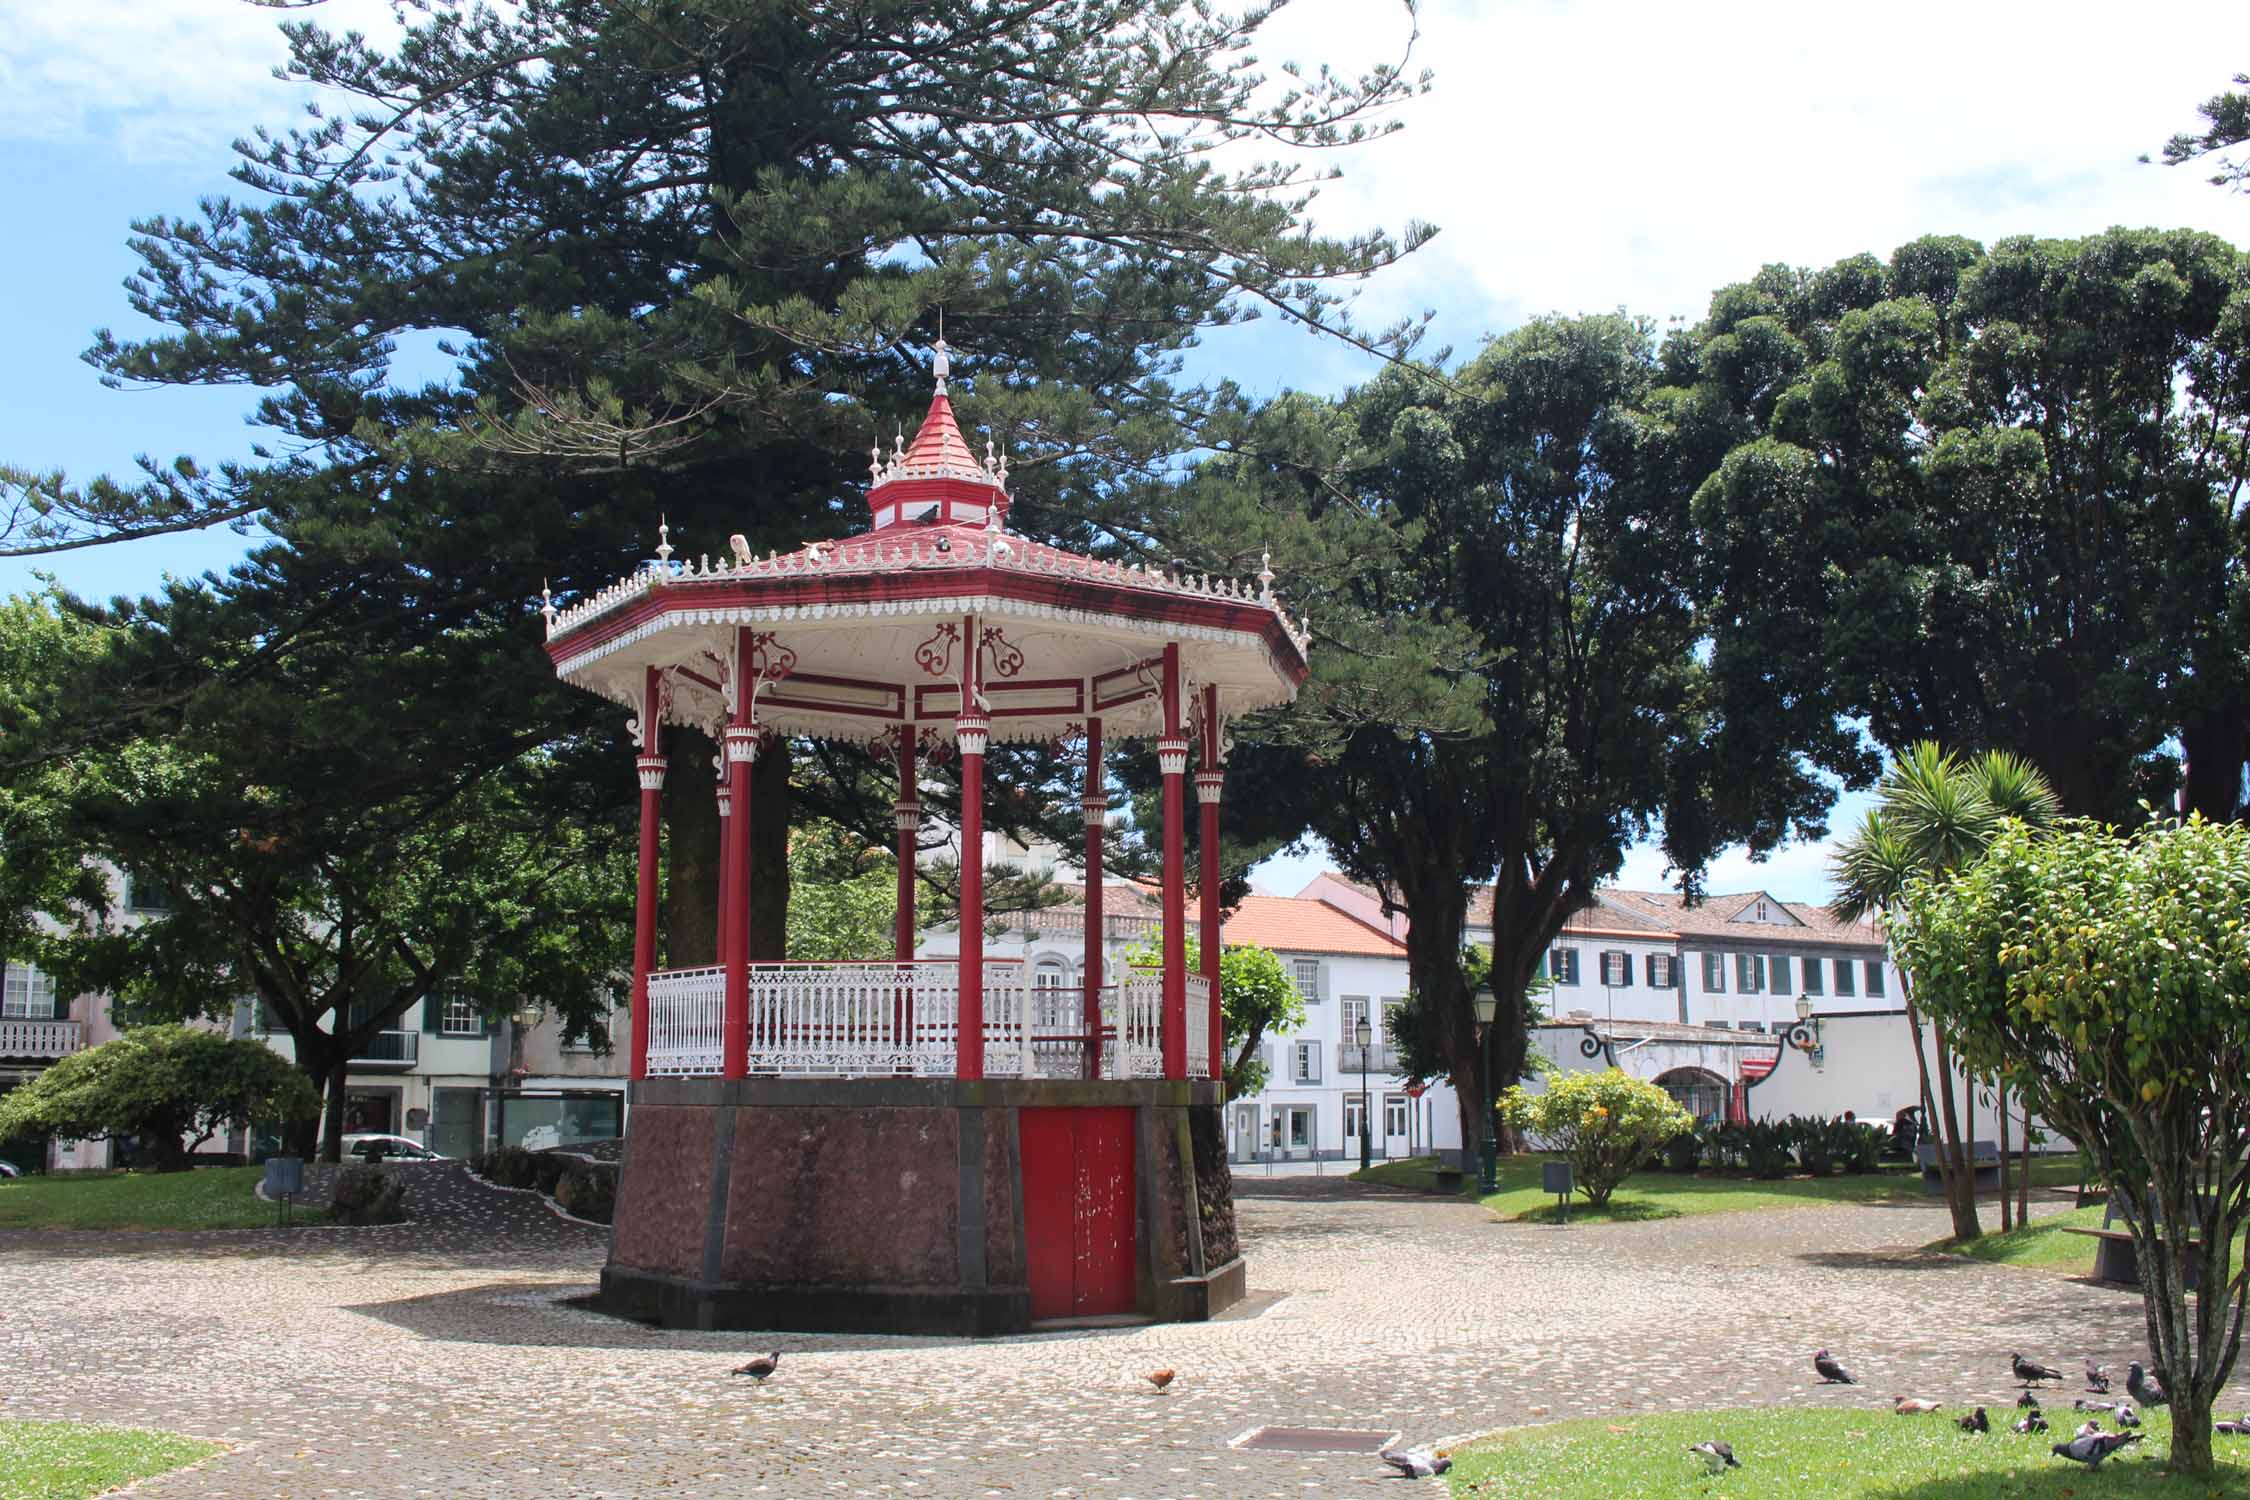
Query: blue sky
(1577, 157)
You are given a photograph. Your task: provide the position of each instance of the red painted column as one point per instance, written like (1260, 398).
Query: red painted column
(1171, 758)
(971, 732)
(1207, 784)
(650, 767)
(907, 813)
(1095, 804)
(742, 751)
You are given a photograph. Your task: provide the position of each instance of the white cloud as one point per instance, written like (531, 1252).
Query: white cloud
(157, 81)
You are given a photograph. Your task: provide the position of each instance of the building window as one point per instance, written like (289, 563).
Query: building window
(28, 995)
(1562, 965)
(1394, 1114)
(461, 1018)
(1051, 995)
(1306, 1062)
(1753, 1026)
(595, 1038)
(1843, 976)
(1617, 968)
(1874, 979)
(1714, 973)
(1812, 976)
(147, 893)
(1749, 973)
(1777, 972)
(1719, 1024)
(1663, 971)
(1306, 971)
(1351, 1117)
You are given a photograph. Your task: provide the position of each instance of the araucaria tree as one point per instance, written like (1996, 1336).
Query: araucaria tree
(687, 259)
(2105, 979)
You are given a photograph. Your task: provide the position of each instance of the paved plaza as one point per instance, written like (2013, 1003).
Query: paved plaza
(442, 1358)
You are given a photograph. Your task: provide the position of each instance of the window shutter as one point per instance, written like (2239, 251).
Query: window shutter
(433, 1013)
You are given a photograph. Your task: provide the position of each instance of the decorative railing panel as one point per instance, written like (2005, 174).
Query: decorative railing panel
(1378, 1058)
(686, 1023)
(901, 1020)
(1198, 1026)
(41, 1039)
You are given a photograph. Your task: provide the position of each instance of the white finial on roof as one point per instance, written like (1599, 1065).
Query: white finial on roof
(664, 540)
(941, 363)
(547, 603)
(1265, 576)
(875, 459)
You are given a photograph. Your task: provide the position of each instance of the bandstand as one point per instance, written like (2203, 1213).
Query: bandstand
(926, 1145)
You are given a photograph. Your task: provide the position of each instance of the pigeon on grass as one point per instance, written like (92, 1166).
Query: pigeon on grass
(1913, 1406)
(2082, 1404)
(2234, 1429)
(1717, 1456)
(2031, 1421)
(1831, 1373)
(2028, 1399)
(2091, 1449)
(2030, 1371)
(760, 1369)
(2142, 1388)
(2086, 1429)
(1975, 1421)
(2126, 1416)
(2097, 1378)
(1417, 1463)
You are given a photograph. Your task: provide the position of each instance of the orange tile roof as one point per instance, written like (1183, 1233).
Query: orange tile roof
(1288, 924)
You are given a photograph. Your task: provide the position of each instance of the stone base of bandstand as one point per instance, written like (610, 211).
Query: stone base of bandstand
(894, 1205)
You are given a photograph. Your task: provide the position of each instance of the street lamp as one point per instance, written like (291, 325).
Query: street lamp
(1364, 1035)
(1488, 1166)
(1805, 1035)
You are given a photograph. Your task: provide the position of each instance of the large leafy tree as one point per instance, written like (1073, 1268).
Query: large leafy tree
(670, 259)
(1500, 570)
(2103, 978)
(318, 853)
(1990, 497)
(1936, 813)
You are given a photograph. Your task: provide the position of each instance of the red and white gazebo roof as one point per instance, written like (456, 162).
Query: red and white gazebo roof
(855, 639)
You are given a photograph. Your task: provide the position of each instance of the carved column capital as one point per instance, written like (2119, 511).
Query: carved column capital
(651, 769)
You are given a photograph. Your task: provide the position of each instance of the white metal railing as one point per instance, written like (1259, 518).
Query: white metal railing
(858, 1020)
(41, 1038)
(1198, 1026)
(687, 1023)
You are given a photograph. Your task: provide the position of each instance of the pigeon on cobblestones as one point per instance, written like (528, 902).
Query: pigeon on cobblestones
(2097, 1377)
(760, 1369)
(2091, 1449)
(1417, 1463)
(1975, 1421)
(1913, 1406)
(1831, 1373)
(1717, 1456)
(2029, 1370)
(2031, 1421)
(2141, 1388)
(1159, 1378)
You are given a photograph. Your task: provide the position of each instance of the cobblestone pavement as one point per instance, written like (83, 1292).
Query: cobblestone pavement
(441, 1357)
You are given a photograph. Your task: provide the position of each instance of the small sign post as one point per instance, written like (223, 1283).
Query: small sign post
(285, 1178)
(1557, 1176)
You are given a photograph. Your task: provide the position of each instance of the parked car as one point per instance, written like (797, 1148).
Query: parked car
(374, 1148)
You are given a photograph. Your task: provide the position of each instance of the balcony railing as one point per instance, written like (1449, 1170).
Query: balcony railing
(390, 1049)
(1379, 1059)
(40, 1039)
(882, 1020)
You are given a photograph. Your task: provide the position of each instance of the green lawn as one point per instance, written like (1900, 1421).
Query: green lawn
(1668, 1195)
(68, 1460)
(2044, 1247)
(206, 1198)
(1824, 1454)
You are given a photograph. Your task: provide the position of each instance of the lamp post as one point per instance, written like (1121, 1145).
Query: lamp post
(1364, 1035)
(1488, 1164)
(1805, 1036)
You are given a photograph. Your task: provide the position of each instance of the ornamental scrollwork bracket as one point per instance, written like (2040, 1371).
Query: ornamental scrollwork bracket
(1001, 657)
(935, 655)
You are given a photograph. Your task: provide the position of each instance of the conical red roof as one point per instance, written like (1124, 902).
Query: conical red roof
(937, 479)
(939, 449)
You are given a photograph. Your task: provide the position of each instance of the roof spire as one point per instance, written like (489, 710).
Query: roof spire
(664, 540)
(941, 362)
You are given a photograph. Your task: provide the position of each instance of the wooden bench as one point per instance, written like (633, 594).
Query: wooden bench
(2115, 1258)
(1984, 1156)
(1448, 1179)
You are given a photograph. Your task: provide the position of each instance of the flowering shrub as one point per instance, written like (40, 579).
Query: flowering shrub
(1606, 1123)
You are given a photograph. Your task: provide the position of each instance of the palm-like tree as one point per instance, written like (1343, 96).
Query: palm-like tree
(1937, 813)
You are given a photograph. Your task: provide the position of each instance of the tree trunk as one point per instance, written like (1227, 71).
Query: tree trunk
(2023, 1178)
(2000, 1108)
(332, 1114)
(1961, 1183)
(691, 851)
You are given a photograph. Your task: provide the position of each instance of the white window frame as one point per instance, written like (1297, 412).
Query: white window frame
(1397, 1112)
(1051, 984)
(460, 1017)
(1714, 972)
(1749, 973)
(1619, 962)
(1562, 964)
(1351, 1118)
(1663, 971)
(1305, 973)
(27, 993)
(1304, 1060)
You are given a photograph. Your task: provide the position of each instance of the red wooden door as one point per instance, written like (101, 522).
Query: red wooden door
(1078, 1211)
